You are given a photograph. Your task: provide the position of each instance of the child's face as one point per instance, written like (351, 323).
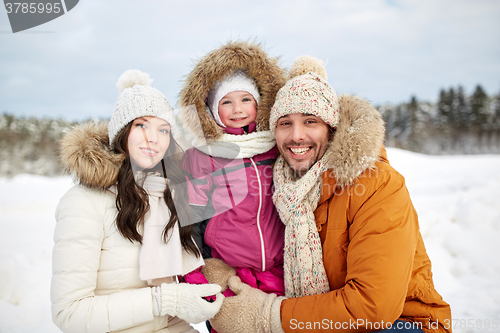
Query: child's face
(148, 141)
(237, 109)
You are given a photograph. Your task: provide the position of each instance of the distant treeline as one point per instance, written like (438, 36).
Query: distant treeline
(456, 124)
(30, 145)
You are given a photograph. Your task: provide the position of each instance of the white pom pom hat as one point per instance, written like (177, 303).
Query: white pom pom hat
(306, 91)
(238, 81)
(138, 99)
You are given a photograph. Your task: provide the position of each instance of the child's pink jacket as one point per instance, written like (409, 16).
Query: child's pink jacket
(245, 230)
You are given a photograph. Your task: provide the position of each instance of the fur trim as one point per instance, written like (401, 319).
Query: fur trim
(216, 65)
(85, 154)
(358, 139)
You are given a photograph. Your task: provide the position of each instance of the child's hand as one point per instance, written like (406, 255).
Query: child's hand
(218, 272)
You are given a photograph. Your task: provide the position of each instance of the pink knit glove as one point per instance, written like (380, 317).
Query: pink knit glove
(250, 310)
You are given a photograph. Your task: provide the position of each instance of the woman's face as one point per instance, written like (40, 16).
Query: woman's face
(148, 141)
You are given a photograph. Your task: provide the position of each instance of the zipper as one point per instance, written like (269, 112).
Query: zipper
(262, 247)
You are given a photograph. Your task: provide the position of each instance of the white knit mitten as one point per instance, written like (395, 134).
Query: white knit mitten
(186, 301)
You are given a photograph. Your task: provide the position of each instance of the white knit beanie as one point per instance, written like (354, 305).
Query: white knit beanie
(138, 99)
(307, 91)
(239, 81)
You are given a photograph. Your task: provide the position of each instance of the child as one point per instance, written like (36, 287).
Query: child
(230, 178)
(119, 241)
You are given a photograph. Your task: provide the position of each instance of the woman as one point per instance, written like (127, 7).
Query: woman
(123, 236)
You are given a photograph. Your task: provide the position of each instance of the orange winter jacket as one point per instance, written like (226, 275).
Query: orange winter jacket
(374, 257)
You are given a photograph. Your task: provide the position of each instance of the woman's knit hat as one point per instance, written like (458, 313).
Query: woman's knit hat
(238, 81)
(138, 99)
(306, 91)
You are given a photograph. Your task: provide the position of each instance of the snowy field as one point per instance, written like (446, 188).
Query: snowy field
(457, 198)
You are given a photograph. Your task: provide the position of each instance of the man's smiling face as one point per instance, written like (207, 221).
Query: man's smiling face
(302, 140)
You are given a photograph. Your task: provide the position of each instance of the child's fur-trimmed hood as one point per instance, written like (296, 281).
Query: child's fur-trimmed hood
(215, 66)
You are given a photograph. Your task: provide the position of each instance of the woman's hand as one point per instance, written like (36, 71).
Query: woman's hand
(187, 302)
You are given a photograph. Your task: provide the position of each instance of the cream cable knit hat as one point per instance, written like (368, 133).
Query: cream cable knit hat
(138, 99)
(239, 81)
(306, 91)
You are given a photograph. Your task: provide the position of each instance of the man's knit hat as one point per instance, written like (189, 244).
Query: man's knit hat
(138, 99)
(306, 91)
(239, 81)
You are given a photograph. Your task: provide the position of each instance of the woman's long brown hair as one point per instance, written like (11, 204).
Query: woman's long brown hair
(132, 200)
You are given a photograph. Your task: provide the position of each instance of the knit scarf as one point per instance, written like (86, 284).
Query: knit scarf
(158, 259)
(238, 146)
(296, 201)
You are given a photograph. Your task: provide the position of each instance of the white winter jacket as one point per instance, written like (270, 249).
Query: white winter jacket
(95, 274)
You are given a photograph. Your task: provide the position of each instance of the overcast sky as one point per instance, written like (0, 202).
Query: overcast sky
(385, 51)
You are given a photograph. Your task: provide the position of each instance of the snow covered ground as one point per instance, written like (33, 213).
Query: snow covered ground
(456, 197)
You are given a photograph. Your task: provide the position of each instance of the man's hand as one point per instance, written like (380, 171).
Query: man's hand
(250, 310)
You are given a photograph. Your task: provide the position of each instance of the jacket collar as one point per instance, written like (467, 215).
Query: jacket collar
(357, 143)
(240, 131)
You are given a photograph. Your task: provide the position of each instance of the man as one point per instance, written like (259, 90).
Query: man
(354, 257)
